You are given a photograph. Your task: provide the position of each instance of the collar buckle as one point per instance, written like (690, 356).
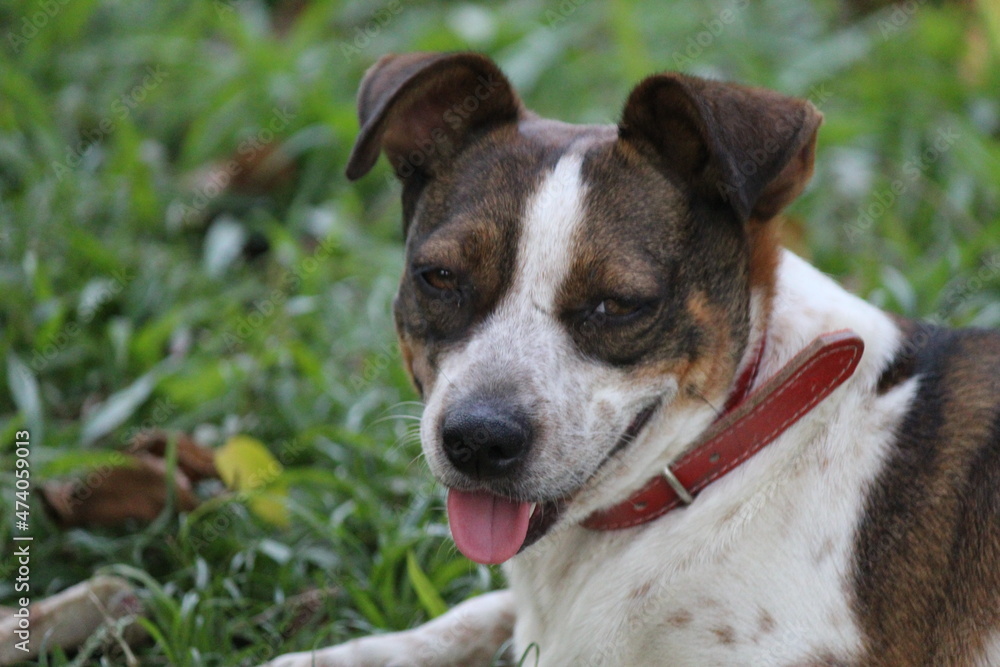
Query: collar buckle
(676, 485)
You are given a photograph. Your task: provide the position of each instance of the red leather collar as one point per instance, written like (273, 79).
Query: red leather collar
(749, 423)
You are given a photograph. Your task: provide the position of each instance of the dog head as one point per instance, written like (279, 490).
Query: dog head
(567, 285)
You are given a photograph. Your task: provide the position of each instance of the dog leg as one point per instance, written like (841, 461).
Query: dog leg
(466, 636)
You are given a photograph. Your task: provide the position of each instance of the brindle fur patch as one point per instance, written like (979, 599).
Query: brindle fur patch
(928, 589)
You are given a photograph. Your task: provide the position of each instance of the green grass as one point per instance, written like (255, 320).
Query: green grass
(127, 303)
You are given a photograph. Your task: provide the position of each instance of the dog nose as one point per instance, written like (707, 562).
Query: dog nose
(485, 438)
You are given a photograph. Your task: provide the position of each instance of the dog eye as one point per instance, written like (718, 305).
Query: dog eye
(440, 279)
(615, 308)
(614, 312)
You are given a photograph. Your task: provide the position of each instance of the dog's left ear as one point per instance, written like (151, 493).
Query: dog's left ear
(749, 147)
(421, 108)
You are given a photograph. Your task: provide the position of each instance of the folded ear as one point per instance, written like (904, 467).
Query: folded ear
(749, 147)
(422, 107)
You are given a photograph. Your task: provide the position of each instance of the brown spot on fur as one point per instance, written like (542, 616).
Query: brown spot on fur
(765, 622)
(605, 411)
(680, 618)
(928, 548)
(642, 591)
(725, 634)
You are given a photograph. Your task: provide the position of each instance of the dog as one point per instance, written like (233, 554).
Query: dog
(687, 445)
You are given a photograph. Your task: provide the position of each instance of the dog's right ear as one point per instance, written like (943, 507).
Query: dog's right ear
(421, 108)
(748, 147)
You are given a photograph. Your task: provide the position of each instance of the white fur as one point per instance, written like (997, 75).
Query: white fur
(545, 252)
(991, 656)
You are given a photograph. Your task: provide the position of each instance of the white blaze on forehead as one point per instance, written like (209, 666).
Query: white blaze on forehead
(544, 252)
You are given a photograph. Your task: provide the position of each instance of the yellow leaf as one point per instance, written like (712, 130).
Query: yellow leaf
(270, 505)
(246, 465)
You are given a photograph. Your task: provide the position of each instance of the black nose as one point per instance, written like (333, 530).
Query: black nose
(485, 437)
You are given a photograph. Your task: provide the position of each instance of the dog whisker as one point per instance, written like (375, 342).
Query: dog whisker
(395, 418)
(401, 404)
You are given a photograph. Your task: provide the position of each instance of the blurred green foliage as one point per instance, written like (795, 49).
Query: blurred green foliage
(180, 250)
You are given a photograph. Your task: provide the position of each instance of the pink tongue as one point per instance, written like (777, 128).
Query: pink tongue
(487, 528)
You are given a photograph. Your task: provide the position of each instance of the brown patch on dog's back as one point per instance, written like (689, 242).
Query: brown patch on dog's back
(765, 622)
(680, 618)
(726, 634)
(927, 569)
(641, 592)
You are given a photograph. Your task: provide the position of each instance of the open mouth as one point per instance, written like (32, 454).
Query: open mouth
(491, 529)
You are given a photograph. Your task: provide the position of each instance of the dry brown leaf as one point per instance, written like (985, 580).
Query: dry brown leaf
(134, 491)
(195, 461)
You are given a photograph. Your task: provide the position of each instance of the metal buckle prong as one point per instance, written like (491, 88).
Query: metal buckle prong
(676, 485)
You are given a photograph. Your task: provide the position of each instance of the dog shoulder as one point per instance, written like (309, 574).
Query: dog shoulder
(928, 544)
